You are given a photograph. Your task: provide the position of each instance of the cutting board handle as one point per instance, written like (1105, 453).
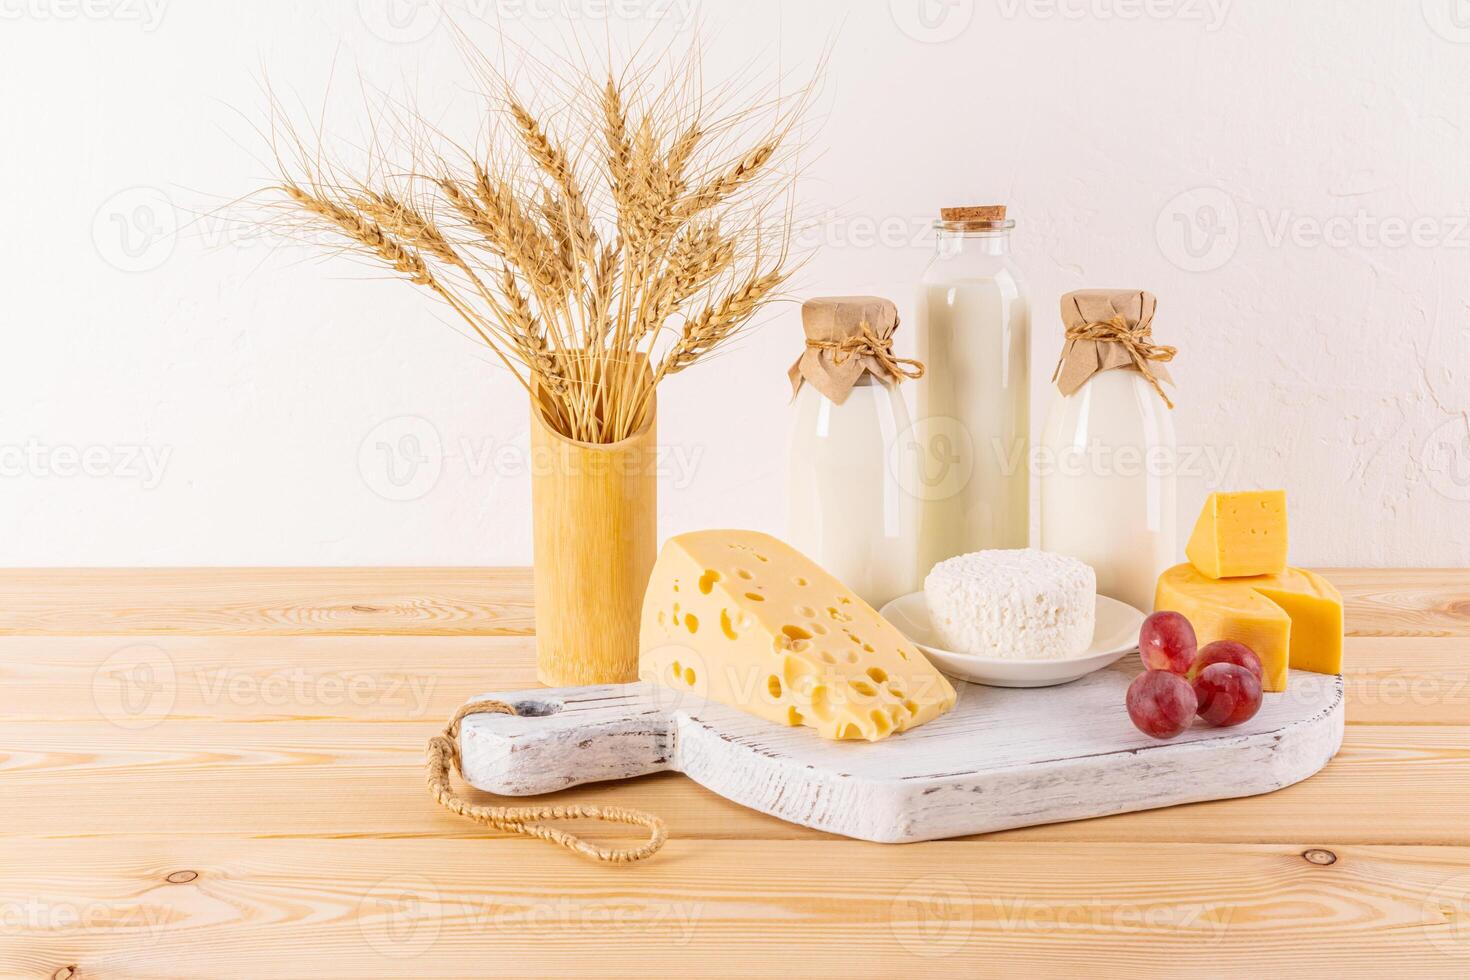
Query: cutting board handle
(563, 737)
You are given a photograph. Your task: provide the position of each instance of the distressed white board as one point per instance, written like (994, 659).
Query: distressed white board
(1001, 759)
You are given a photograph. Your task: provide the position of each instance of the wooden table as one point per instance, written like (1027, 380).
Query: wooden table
(217, 773)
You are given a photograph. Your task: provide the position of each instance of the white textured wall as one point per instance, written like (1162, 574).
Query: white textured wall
(1289, 178)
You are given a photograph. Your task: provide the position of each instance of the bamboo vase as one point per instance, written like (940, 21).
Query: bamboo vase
(595, 510)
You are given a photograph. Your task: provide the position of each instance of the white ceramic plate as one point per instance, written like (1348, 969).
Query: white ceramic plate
(1115, 635)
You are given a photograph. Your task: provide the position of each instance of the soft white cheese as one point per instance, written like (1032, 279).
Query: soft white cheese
(1021, 604)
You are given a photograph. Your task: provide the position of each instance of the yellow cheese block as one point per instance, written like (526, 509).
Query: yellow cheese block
(1316, 622)
(742, 618)
(1293, 619)
(1240, 534)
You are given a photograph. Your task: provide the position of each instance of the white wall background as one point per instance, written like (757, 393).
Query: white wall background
(1290, 179)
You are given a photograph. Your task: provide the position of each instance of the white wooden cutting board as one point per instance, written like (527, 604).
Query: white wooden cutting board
(1001, 759)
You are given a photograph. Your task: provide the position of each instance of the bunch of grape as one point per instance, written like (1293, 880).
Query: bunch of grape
(1221, 683)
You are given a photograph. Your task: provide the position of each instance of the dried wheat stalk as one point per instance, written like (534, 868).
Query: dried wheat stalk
(595, 256)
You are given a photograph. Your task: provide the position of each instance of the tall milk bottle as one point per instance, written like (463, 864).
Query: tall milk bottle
(973, 432)
(1107, 459)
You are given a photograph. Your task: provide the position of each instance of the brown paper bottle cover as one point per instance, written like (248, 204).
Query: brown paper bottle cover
(845, 337)
(1123, 313)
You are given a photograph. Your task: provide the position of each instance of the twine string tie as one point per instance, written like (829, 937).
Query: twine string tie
(1137, 341)
(867, 343)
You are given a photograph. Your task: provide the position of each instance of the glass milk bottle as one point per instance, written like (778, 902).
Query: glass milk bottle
(1107, 460)
(974, 425)
(850, 509)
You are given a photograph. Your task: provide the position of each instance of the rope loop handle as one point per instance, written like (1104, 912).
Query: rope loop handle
(443, 756)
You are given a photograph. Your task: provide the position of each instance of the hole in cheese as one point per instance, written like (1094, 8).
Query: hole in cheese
(864, 688)
(793, 717)
(773, 684)
(689, 676)
(849, 731)
(726, 626)
(755, 596)
(692, 621)
(882, 722)
(801, 582)
(708, 579)
(798, 674)
(796, 632)
(878, 674)
(828, 658)
(744, 574)
(821, 702)
(818, 628)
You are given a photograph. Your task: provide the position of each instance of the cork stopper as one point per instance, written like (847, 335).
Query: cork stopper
(981, 212)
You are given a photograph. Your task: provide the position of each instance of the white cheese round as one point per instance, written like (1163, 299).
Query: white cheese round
(1022, 604)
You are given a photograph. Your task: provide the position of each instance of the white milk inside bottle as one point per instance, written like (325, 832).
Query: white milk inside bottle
(847, 511)
(973, 427)
(1107, 459)
(848, 507)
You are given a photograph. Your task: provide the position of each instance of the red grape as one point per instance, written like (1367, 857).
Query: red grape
(1228, 694)
(1166, 642)
(1161, 703)
(1227, 652)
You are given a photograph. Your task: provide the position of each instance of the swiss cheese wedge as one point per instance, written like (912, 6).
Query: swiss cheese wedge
(743, 618)
(1293, 619)
(1241, 533)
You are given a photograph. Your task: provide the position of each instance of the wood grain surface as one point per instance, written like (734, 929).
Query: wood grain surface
(217, 773)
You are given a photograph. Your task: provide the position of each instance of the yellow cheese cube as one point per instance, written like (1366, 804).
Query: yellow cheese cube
(742, 618)
(1240, 534)
(1293, 619)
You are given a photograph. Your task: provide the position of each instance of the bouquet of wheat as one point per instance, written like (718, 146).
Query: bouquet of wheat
(595, 251)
